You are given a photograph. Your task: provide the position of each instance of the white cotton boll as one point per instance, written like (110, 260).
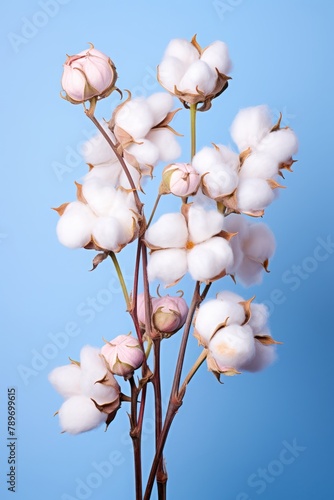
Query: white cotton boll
(170, 231)
(259, 318)
(203, 224)
(259, 165)
(233, 346)
(170, 72)
(105, 173)
(135, 117)
(145, 152)
(213, 314)
(264, 356)
(236, 224)
(205, 159)
(165, 140)
(160, 105)
(183, 50)
(250, 126)
(229, 296)
(260, 244)
(220, 181)
(75, 226)
(198, 78)
(280, 145)
(207, 260)
(79, 414)
(90, 360)
(97, 151)
(250, 272)
(123, 180)
(216, 56)
(167, 265)
(98, 195)
(107, 233)
(254, 194)
(66, 380)
(229, 157)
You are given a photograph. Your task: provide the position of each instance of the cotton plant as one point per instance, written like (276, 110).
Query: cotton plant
(211, 236)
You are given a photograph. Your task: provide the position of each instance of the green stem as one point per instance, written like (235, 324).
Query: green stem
(154, 209)
(200, 360)
(121, 280)
(193, 109)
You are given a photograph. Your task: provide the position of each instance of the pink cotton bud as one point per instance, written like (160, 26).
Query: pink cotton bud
(123, 355)
(88, 74)
(180, 179)
(169, 314)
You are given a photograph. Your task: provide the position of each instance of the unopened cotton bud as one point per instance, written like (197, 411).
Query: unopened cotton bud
(169, 314)
(88, 74)
(180, 179)
(123, 355)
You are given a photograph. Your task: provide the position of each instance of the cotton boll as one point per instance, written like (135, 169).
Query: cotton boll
(75, 226)
(260, 244)
(98, 195)
(66, 380)
(250, 126)
(220, 181)
(79, 414)
(259, 165)
(145, 152)
(165, 141)
(264, 356)
(107, 233)
(216, 56)
(232, 346)
(254, 194)
(250, 272)
(213, 314)
(230, 297)
(205, 159)
(170, 231)
(280, 145)
(209, 259)
(170, 72)
(183, 50)
(203, 224)
(160, 105)
(229, 157)
(167, 265)
(104, 173)
(198, 78)
(97, 151)
(136, 117)
(259, 318)
(236, 224)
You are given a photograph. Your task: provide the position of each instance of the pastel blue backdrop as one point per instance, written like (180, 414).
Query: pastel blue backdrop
(267, 435)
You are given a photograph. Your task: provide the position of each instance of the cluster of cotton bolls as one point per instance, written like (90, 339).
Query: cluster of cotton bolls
(91, 392)
(193, 74)
(245, 182)
(103, 218)
(235, 333)
(142, 128)
(193, 241)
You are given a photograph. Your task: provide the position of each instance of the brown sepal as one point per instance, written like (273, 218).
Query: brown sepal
(80, 196)
(246, 304)
(243, 155)
(277, 125)
(274, 184)
(100, 257)
(73, 362)
(266, 340)
(61, 209)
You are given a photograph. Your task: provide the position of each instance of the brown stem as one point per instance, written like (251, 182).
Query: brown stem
(120, 159)
(174, 401)
(135, 434)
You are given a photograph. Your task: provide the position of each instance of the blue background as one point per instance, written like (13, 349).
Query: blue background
(224, 434)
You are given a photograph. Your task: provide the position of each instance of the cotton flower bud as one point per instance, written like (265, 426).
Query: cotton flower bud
(169, 314)
(180, 179)
(88, 74)
(123, 355)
